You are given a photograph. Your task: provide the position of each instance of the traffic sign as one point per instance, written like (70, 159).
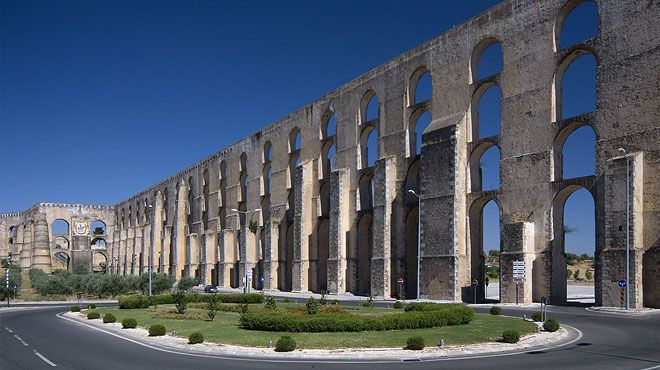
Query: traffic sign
(249, 274)
(519, 271)
(475, 282)
(400, 280)
(261, 278)
(622, 283)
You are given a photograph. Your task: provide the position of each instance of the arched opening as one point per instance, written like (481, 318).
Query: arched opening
(578, 153)
(99, 263)
(485, 168)
(61, 242)
(365, 247)
(59, 226)
(323, 234)
(418, 123)
(267, 176)
(574, 245)
(578, 86)
(288, 259)
(366, 194)
(98, 244)
(61, 261)
(222, 205)
(327, 160)
(651, 277)
(420, 86)
(98, 227)
(268, 152)
(410, 280)
(486, 60)
(577, 22)
(485, 249)
(329, 125)
(295, 140)
(485, 118)
(369, 109)
(369, 147)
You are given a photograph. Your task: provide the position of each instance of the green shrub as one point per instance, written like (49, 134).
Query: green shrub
(286, 300)
(133, 301)
(415, 343)
(195, 338)
(243, 308)
(551, 325)
(495, 311)
(323, 301)
(93, 315)
(292, 321)
(129, 323)
(285, 344)
(366, 304)
(270, 303)
(511, 336)
(108, 318)
(180, 301)
(537, 316)
(91, 306)
(156, 330)
(335, 302)
(75, 308)
(312, 306)
(398, 305)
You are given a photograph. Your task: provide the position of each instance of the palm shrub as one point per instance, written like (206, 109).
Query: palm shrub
(196, 338)
(156, 330)
(551, 325)
(511, 336)
(93, 315)
(495, 311)
(109, 318)
(415, 343)
(129, 323)
(285, 344)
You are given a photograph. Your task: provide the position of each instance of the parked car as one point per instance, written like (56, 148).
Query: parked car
(210, 289)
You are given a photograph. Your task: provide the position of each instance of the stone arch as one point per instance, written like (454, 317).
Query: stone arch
(419, 121)
(369, 107)
(61, 242)
(98, 227)
(365, 251)
(205, 197)
(412, 182)
(99, 262)
(493, 45)
(420, 86)
(477, 167)
(477, 228)
(59, 226)
(559, 80)
(98, 244)
(243, 180)
(485, 111)
(61, 260)
(222, 196)
(267, 154)
(328, 125)
(365, 191)
(327, 159)
(369, 143)
(295, 140)
(566, 12)
(558, 254)
(559, 145)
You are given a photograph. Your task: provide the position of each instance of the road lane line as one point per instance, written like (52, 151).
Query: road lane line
(9, 330)
(20, 340)
(49, 362)
(651, 368)
(316, 360)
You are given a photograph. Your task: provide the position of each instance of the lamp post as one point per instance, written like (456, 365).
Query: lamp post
(419, 235)
(151, 247)
(624, 153)
(245, 268)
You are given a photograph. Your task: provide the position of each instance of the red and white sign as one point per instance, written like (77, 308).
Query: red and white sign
(475, 282)
(400, 280)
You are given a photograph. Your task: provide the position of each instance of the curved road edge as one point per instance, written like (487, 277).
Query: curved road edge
(572, 335)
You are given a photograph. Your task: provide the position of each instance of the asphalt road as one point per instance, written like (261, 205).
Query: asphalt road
(35, 339)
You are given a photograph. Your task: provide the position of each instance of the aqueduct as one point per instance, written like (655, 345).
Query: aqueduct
(320, 201)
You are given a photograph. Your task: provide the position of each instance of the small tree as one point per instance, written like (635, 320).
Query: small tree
(99, 231)
(312, 306)
(270, 303)
(576, 274)
(212, 306)
(180, 303)
(588, 275)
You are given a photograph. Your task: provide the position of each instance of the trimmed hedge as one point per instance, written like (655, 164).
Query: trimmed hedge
(141, 301)
(398, 305)
(91, 306)
(129, 323)
(133, 301)
(93, 315)
(157, 330)
(109, 318)
(265, 320)
(196, 338)
(511, 336)
(551, 325)
(537, 316)
(285, 344)
(496, 311)
(75, 308)
(415, 343)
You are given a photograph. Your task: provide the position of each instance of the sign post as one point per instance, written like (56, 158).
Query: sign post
(475, 284)
(7, 284)
(518, 275)
(623, 284)
(400, 281)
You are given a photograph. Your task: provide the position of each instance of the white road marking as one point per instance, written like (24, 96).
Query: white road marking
(651, 368)
(49, 362)
(20, 340)
(314, 360)
(9, 330)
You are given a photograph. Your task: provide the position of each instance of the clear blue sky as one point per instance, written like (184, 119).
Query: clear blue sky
(101, 99)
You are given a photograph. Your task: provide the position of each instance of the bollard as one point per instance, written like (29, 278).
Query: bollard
(270, 343)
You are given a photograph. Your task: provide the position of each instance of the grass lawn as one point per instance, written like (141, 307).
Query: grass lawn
(225, 329)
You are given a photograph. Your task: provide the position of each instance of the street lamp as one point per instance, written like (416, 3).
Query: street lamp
(419, 235)
(151, 247)
(624, 153)
(245, 287)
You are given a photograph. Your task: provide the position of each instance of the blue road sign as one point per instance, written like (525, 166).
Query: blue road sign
(15, 286)
(622, 283)
(261, 278)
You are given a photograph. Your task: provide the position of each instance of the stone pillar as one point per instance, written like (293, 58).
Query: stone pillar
(271, 254)
(384, 194)
(301, 227)
(226, 257)
(26, 246)
(179, 258)
(130, 251)
(339, 228)
(41, 249)
(156, 234)
(193, 255)
(141, 251)
(517, 245)
(165, 251)
(612, 259)
(209, 257)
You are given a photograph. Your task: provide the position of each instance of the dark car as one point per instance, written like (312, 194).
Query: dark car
(210, 289)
